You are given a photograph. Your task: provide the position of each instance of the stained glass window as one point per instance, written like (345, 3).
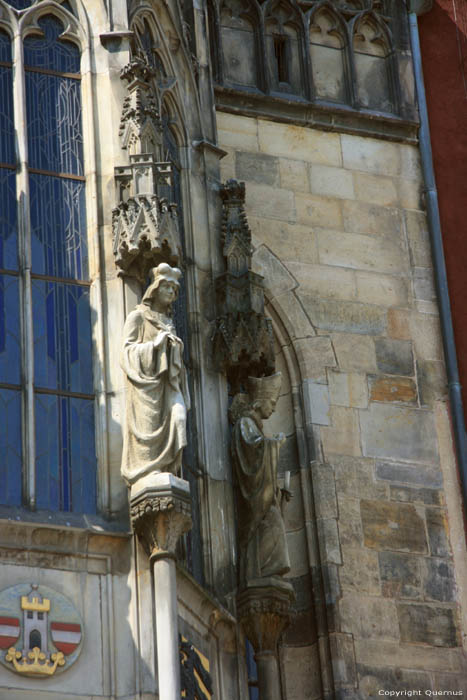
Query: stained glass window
(54, 239)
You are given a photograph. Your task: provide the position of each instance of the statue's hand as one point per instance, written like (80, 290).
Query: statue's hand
(280, 437)
(161, 337)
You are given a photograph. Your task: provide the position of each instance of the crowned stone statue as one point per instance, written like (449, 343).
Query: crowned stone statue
(262, 544)
(157, 396)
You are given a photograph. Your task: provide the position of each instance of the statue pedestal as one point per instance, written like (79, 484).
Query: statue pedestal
(263, 608)
(160, 510)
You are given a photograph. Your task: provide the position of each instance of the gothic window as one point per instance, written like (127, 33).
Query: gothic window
(372, 56)
(239, 43)
(46, 383)
(328, 55)
(284, 50)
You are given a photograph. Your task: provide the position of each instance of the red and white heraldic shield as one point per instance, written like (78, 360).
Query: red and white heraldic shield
(9, 631)
(66, 636)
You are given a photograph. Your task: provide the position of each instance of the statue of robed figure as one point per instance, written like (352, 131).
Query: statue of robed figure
(157, 396)
(262, 541)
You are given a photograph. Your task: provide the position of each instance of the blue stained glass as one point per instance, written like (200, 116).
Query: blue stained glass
(55, 139)
(58, 227)
(20, 4)
(7, 130)
(10, 447)
(5, 47)
(62, 336)
(65, 454)
(8, 220)
(10, 344)
(47, 52)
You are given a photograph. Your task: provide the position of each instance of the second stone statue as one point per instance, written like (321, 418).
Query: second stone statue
(157, 395)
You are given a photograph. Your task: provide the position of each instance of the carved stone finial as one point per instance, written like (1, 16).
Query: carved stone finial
(243, 340)
(160, 511)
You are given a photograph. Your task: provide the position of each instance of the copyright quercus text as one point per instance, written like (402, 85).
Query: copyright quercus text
(419, 693)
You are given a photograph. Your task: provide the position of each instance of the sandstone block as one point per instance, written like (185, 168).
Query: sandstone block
(361, 252)
(355, 477)
(424, 285)
(296, 541)
(389, 525)
(293, 315)
(375, 189)
(314, 355)
(237, 132)
(392, 389)
(410, 162)
(438, 580)
(343, 436)
(296, 142)
(294, 175)
(302, 677)
(277, 279)
(360, 572)
(350, 317)
(426, 624)
(426, 335)
(437, 528)
(287, 241)
(331, 182)
(324, 281)
(422, 475)
(397, 655)
(270, 202)
(370, 155)
(375, 680)
(381, 289)
(324, 490)
(368, 618)
(400, 575)
(399, 324)
(410, 194)
(316, 400)
(370, 219)
(405, 494)
(394, 356)
(348, 389)
(227, 167)
(418, 237)
(343, 653)
(398, 433)
(432, 381)
(354, 352)
(328, 537)
(350, 522)
(257, 167)
(318, 211)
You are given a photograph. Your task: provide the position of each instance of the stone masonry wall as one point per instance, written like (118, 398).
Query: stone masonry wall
(341, 237)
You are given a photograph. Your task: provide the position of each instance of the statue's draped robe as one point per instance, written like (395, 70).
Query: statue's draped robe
(262, 541)
(157, 396)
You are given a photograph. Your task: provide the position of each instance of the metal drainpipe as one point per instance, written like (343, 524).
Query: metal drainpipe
(434, 225)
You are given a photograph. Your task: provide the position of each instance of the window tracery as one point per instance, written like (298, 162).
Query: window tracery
(46, 381)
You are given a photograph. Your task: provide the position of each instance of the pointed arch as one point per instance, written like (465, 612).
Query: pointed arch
(285, 46)
(329, 51)
(240, 42)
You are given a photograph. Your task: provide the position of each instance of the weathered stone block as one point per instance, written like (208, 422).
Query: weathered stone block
(426, 334)
(324, 490)
(394, 526)
(369, 618)
(409, 474)
(385, 290)
(302, 676)
(410, 194)
(270, 202)
(290, 141)
(438, 580)
(419, 239)
(288, 241)
(331, 182)
(293, 514)
(423, 283)
(351, 317)
(355, 477)
(350, 522)
(318, 211)
(343, 655)
(361, 252)
(343, 436)
(399, 324)
(400, 575)
(237, 131)
(370, 155)
(370, 219)
(328, 537)
(408, 495)
(396, 655)
(257, 167)
(294, 175)
(375, 189)
(296, 541)
(277, 278)
(360, 572)
(314, 355)
(293, 315)
(398, 433)
(324, 281)
(373, 681)
(348, 389)
(437, 528)
(427, 624)
(432, 381)
(355, 353)
(393, 389)
(316, 402)
(394, 356)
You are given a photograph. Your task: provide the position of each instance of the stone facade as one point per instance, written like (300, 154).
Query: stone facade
(340, 248)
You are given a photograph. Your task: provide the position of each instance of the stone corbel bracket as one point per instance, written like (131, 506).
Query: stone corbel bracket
(243, 340)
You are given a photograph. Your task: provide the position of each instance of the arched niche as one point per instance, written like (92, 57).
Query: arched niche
(239, 23)
(372, 52)
(284, 47)
(328, 51)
